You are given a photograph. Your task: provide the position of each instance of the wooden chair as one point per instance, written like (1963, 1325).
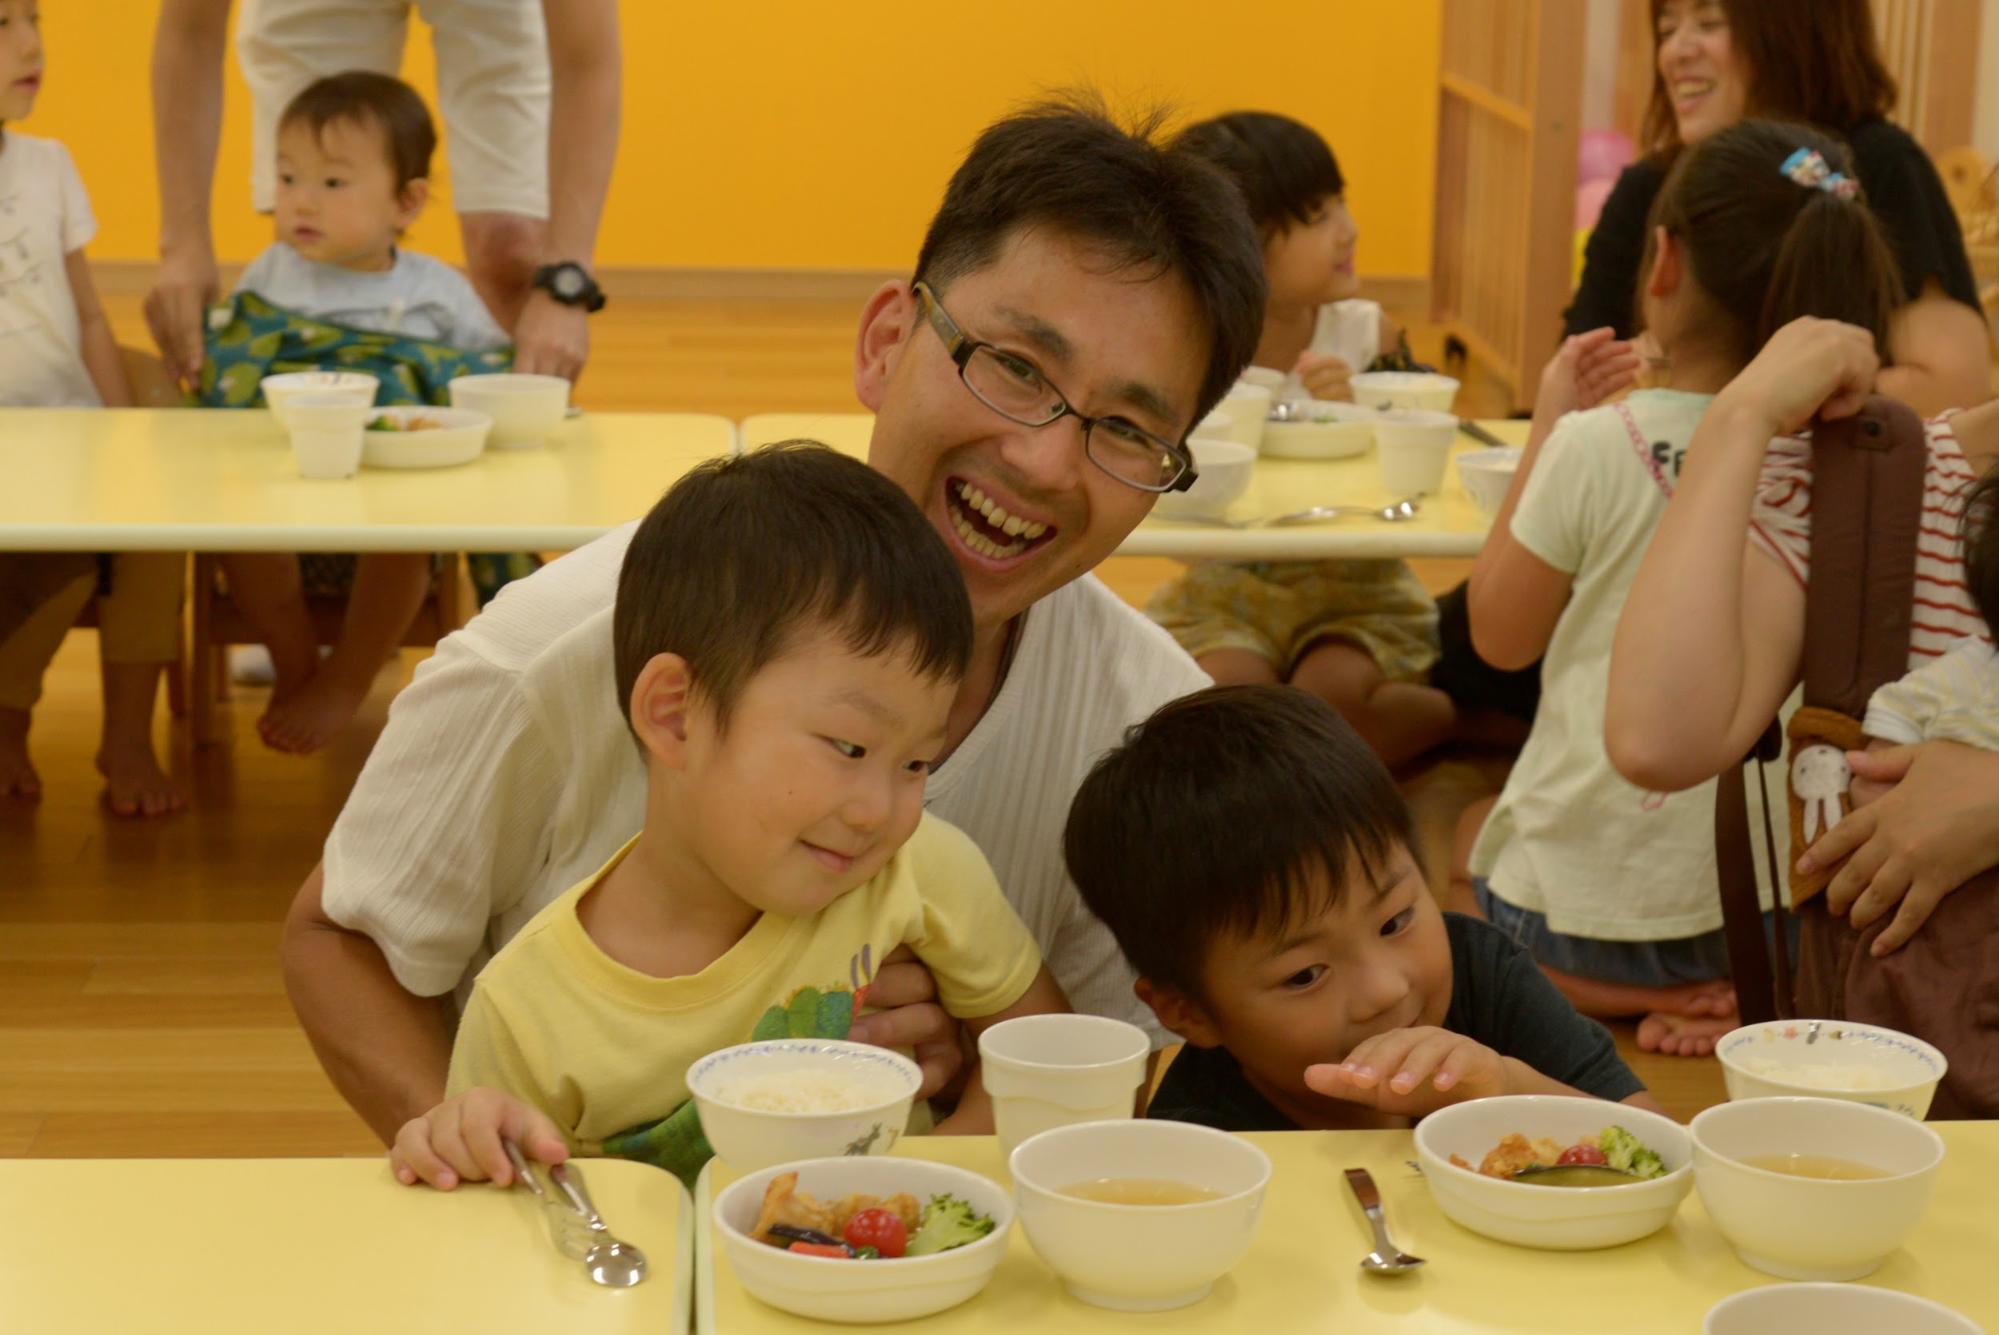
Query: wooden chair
(217, 625)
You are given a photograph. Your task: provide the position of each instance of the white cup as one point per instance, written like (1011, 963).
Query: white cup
(326, 432)
(1248, 407)
(1415, 450)
(1262, 376)
(1045, 1071)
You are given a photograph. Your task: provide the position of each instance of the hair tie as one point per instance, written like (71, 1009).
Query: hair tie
(1808, 168)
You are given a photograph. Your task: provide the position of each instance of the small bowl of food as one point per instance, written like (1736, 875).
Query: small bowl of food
(351, 387)
(1405, 391)
(1489, 1166)
(526, 409)
(421, 437)
(1139, 1216)
(1321, 430)
(802, 1098)
(1222, 472)
(1831, 1059)
(1832, 1309)
(1487, 474)
(863, 1240)
(1813, 1188)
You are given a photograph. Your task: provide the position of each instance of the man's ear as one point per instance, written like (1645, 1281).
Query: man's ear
(410, 201)
(1178, 1012)
(886, 324)
(661, 705)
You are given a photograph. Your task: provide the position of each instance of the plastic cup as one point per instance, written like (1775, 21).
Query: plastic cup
(1248, 407)
(1045, 1071)
(1415, 451)
(327, 433)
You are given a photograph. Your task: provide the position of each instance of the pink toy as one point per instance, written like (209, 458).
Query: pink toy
(1603, 155)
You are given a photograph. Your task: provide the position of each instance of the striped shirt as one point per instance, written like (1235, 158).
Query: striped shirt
(1954, 699)
(1944, 614)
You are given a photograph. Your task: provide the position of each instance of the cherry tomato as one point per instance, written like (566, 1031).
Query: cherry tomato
(881, 1229)
(1583, 1153)
(819, 1249)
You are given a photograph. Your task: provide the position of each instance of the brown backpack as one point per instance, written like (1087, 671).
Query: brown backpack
(1943, 986)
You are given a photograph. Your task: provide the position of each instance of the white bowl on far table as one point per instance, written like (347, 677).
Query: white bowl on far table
(1831, 1059)
(1813, 1228)
(1832, 1309)
(1556, 1218)
(326, 431)
(1325, 431)
(424, 437)
(327, 386)
(1487, 474)
(863, 1292)
(1405, 390)
(526, 409)
(1414, 448)
(1223, 470)
(845, 1098)
(1139, 1258)
(1272, 380)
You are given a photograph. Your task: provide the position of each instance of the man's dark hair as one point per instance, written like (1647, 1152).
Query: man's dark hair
(1232, 812)
(743, 555)
(1981, 549)
(1067, 167)
(1283, 168)
(362, 97)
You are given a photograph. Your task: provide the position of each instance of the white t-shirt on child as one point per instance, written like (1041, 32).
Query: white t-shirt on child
(1954, 698)
(1570, 837)
(44, 217)
(507, 774)
(1349, 330)
(417, 297)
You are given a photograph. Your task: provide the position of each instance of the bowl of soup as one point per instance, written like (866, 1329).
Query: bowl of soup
(1832, 1309)
(1139, 1216)
(1831, 1059)
(802, 1098)
(1813, 1188)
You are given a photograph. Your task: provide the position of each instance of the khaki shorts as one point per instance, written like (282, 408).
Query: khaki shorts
(492, 85)
(1281, 610)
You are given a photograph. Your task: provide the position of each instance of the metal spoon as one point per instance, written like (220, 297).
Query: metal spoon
(614, 1264)
(1386, 1258)
(1397, 513)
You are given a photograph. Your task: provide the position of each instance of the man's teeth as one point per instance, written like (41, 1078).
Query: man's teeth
(995, 514)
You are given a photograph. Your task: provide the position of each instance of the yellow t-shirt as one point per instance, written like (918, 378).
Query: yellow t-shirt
(604, 1049)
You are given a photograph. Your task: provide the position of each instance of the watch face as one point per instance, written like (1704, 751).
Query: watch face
(568, 284)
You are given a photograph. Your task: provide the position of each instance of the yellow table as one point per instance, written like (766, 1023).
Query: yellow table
(1301, 1275)
(309, 1245)
(1450, 524)
(183, 479)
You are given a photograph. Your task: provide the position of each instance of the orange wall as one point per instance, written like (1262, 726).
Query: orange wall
(792, 133)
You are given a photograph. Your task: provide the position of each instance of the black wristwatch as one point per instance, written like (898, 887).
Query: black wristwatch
(571, 284)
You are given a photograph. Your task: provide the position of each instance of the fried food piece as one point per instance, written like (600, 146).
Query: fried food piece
(1516, 1152)
(785, 1204)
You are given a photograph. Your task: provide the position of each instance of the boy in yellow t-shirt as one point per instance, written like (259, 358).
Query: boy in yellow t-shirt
(788, 636)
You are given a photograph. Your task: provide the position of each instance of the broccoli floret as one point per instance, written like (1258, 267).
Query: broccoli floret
(947, 1222)
(1622, 1151)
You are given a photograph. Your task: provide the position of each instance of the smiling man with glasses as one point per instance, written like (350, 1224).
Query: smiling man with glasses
(1102, 294)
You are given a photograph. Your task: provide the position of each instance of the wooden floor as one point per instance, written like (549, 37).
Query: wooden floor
(141, 1008)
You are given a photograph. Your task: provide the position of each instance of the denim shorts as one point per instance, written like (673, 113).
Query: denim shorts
(1671, 963)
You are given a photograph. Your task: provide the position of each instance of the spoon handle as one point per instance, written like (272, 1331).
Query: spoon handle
(1361, 1182)
(566, 1177)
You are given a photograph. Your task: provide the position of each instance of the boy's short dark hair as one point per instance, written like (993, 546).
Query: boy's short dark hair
(1066, 166)
(1226, 813)
(1283, 167)
(743, 554)
(367, 98)
(1981, 549)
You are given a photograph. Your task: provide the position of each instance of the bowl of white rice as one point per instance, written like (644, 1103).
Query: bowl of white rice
(1831, 1059)
(802, 1098)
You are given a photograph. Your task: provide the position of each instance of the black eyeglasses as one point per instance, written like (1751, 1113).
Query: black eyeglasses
(1014, 388)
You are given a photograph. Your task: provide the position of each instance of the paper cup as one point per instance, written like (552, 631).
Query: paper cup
(1415, 451)
(1045, 1071)
(326, 434)
(1248, 407)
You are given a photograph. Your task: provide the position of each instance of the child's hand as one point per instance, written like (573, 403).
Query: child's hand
(459, 1140)
(1325, 376)
(1412, 1072)
(1585, 370)
(1809, 368)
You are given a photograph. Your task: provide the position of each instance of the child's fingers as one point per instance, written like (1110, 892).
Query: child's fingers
(1336, 1082)
(479, 1129)
(537, 1135)
(448, 1140)
(1422, 1060)
(1458, 1063)
(413, 1159)
(1375, 1059)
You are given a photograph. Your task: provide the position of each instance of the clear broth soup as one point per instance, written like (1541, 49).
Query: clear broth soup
(1823, 1166)
(1140, 1191)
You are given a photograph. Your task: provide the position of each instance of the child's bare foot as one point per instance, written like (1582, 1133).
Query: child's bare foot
(1683, 1035)
(306, 719)
(17, 773)
(134, 783)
